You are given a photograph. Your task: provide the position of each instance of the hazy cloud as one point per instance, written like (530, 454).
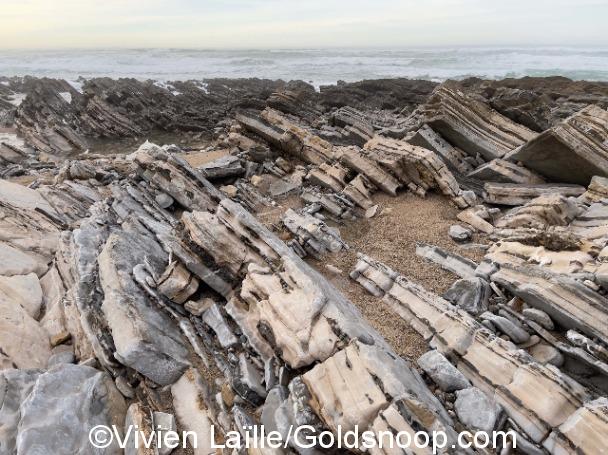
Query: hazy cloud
(296, 23)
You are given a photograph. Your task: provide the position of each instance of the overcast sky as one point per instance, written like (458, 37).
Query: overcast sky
(300, 23)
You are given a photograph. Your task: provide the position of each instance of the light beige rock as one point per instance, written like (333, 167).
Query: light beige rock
(177, 283)
(569, 302)
(22, 339)
(355, 384)
(313, 235)
(551, 209)
(418, 168)
(584, 432)
(25, 290)
(18, 262)
(454, 157)
(22, 197)
(54, 292)
(538, 398)
(191, 411)
(519, 194)
(471, 217)
(353, 158)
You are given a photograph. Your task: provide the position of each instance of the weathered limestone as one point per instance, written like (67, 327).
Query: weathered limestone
(442, 372)
(359, 190)
(538, 398)
(473, 216)
(597, 190)
(476, 409)
(137, 417)
(62, 407)
(583, 432)
(18, 262)
(305, 320)
(569, 302)
(24, 290)
(279, 132)
(225, 166)
(518, 194)
(572, 151)
(472, 125)
(503, 171)
(146, 339)
(455, 158)
(189, 401)
(592, 224)
(418, 168)
(357, 160)
(458, 265)
(24, 198)
(22, 339)
(354, 125)
(471, 294)
(176, 177)
(15, 386)
(54, 317)
(177, 283)
(330, 177)
(552, 209)
(214, 318)
(355, 384)
(313, 234)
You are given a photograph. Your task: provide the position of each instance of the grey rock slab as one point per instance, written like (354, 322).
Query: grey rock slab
(459, 233)
(476, 410)
(164, 200)
(64, 404)
(61, 354)
(15, 386)
(459, 265)
(442, 372)
(22, 338)
(146, 339)
(214, 318)
(539, 316)
(514, 331)
(470, 294)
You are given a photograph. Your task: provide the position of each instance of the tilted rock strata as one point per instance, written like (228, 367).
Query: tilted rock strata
(472, 125)
(572, 151)
(513, 378)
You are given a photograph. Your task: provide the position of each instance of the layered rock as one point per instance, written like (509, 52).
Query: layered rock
(455, 158)
(503, 171)
(472, 125)
(493, 365)
(567, 301)
(312, 234)
(56, 410)
(572, 151)
(519, 194)
(287, 137)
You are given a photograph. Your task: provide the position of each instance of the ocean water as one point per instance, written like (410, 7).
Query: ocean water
(318, 66)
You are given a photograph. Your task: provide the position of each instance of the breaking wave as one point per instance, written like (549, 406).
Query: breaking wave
(319, 66)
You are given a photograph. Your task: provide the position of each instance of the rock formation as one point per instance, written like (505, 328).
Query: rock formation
(219, 285)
